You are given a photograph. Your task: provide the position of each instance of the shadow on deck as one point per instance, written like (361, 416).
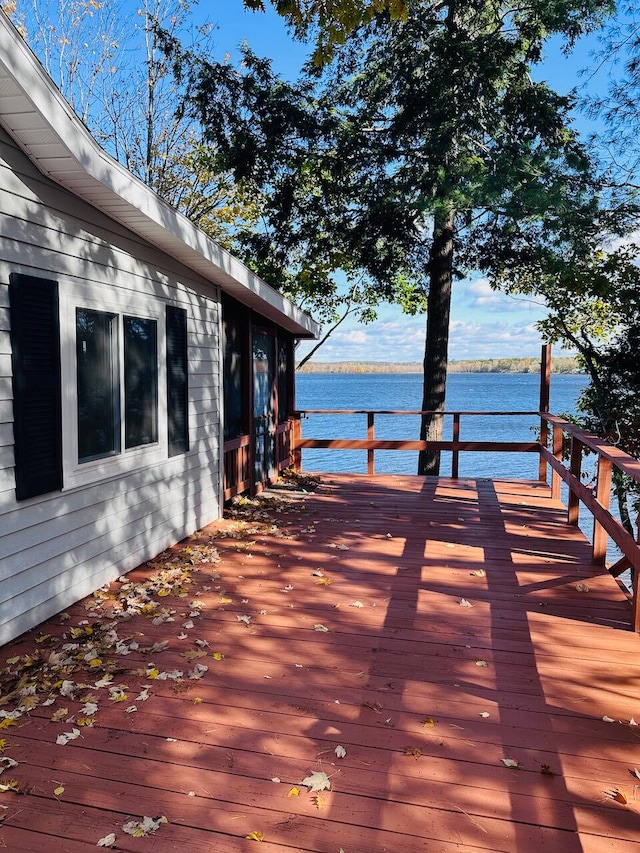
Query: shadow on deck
(432, 629)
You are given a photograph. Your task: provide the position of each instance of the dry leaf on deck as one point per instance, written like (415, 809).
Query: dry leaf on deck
(255, 836)
(617, 795)
(322, 628)
(65, 737)
(340, 752)
(511, 763)
(465, 603)
(107, 841)
(317, 781)
(413, 751)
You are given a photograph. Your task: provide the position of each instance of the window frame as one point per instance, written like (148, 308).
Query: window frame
(126, 460)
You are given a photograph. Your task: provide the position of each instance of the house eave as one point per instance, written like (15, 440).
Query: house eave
(44, 126)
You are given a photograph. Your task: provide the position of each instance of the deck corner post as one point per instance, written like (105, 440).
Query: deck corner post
(545, 387)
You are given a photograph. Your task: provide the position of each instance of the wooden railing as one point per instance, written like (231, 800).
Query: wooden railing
(561, 445)
(371, 443)
(596, 499)
(239, 463)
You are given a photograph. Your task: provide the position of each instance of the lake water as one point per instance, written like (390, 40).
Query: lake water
(403, 391)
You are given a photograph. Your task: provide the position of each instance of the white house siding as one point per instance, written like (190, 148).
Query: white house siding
(58, 547)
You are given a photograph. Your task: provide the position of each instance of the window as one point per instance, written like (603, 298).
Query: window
(140, 381)
(98, 373)
(99, 388)
(236, 365)
(127, 366)
(98, 384)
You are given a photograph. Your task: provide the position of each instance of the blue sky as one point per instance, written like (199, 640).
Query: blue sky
(484, 324)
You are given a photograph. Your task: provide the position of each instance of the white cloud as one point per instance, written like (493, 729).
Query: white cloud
(402, 339)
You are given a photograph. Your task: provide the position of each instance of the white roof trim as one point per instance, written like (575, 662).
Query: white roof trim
(42, 123)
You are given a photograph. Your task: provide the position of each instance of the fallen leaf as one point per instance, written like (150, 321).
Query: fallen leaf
(146, 826)
(465, 603)
(546, 770)
(244, 619)
(317, 781)
(511, 763)
(255, 836)
(582, 586)
(372, 706)
(340, 751)
(617, 795)
(194, 654)
(428, 722)
(294, 792)
(275, 778)
(59, 790)
(413, 752)
(324, 582)
(107, 841)
(320, 802)
(59, 715)
(356, 604)
(481, 663)
(479, 573)
(65, 737)
(321, 628)
(484, 714)
(608, 719)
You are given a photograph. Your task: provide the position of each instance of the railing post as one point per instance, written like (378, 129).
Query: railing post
(556, 481)
(545, 386)
(296, 435)
(370, 437)
(455, 455)
(573, 509)
(603, 496)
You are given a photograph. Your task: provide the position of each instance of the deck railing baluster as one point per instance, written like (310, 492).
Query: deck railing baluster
(603, 497)
(370, 437)
(573, 509)
(455, 456)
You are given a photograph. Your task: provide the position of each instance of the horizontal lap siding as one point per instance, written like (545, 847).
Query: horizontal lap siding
(56, 548)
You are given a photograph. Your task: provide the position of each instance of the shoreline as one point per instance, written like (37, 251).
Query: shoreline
(559, 365)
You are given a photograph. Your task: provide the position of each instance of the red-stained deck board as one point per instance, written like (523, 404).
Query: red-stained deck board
(426, 696)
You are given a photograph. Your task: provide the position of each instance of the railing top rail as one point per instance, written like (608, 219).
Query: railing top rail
(627, 464)
(405, 412)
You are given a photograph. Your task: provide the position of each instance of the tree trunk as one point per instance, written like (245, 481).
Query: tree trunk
(437, 339)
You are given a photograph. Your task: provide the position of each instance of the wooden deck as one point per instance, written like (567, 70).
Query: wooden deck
(432, 629)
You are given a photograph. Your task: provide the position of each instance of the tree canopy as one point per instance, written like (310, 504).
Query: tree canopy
(422, 151)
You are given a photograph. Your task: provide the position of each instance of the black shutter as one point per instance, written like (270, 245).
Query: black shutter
(177, 384)
(35, 356)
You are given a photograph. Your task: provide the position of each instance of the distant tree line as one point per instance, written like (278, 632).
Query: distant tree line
(562, 364)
